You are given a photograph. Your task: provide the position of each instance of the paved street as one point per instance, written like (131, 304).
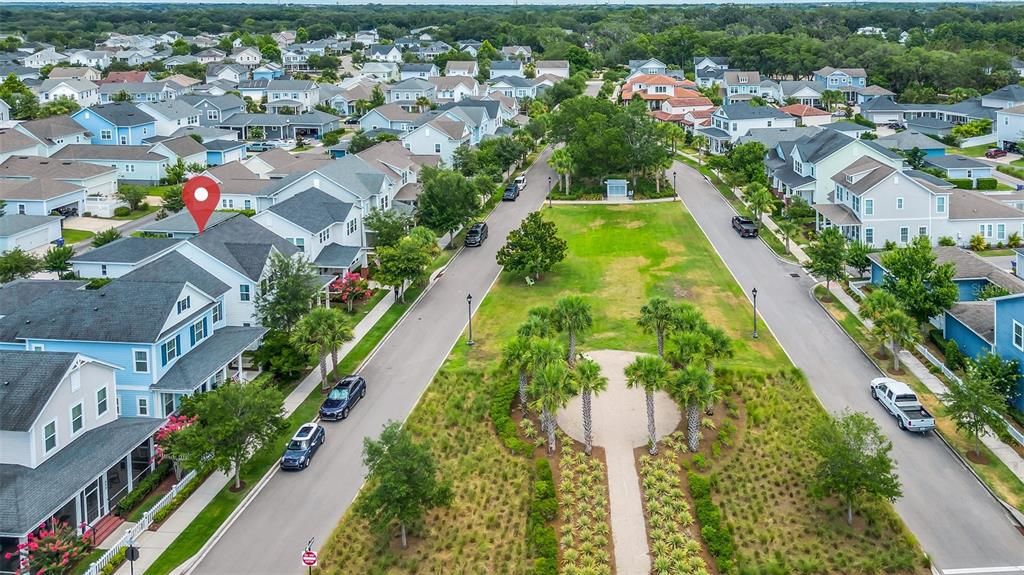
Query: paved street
(269, 536)
(952, 515)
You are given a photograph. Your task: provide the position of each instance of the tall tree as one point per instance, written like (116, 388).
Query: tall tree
(448, 202)
(650, 373)
(287, 293)
(923, 287)
(876, 305)
(788, 228)
(832, 98)
(828, 256)
(56, 259)
(900, 330)
(695, 388)
(312, 335)
(974, 405)
(561, 161)
(515, 357)
(533, 248)
(660, 317)
(23, 102)
(232, 422)
(132, 195)
(551, 388)
(760, 199)
(17, 263)
(402, 483)
(853, 460)
(857, 257)
(389, 226)
(571, 314)
(589, 381)
(1003, 373)
(406, 262)
(339, 332)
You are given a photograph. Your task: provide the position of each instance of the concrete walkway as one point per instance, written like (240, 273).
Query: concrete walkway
(611, 201)
(1004, 452)
(620, 426)
(152, 543)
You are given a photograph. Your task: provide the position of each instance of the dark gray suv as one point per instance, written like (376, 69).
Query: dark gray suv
(476, 235)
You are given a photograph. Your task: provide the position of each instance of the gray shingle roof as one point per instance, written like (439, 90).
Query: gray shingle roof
(199, 364)
(822, 145)
(67, 472)
(979, 316)
(176, 268)
(52, 128)
(744, 111)
(20, 293)
(312, 210)
(121, 113)
(242, 244)
(1010, 92)
(875, 172)
(172, 109)
(27, 380)
(506, 65)
(954, 161)
(968, 205)
(182, 222)
(225, 102)
(111, 153)
(414, 67)
(336, 256)
(514, 81)
(128, 250)
(910, 139)
(11, 224)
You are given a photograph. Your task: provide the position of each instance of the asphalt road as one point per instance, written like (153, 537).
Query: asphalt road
(271, 533)
(957, 522)
(126, 230)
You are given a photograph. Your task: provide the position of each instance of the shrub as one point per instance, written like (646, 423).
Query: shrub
(947, 241)
(863, 121)
(115, 562)
(501, 404)
(717, 536)
(122, 211)
(543, 470)
(962, 183)
(978, 242)
(541, 538)
(954, 357)
(545, 566)
(143, 488)
(1013, 240)
(986, 183)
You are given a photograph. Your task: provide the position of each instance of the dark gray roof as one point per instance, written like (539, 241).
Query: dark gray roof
(771, 137)
(176, 268)
(506, 65)
(979, 316)
(67, 472)
(417, 67)
(910, 139)
(102, 152)
(128, 250)
(20, 293)
(716, 133)
(242, 244)
(1011, 92)
(199, 364)
(225, 102)
(928, 178)
(312, 210)
(493, 107)
(336, 256)
(881, 104)
(792, 179)
(744, 111)
(719, 60)
(929, 123)
(790, 87)
(182, 222)
(27, 380)
(822, 145)
(291, 85)
(221, 145)
(11, 224)
(846, 126)
(954, 161)
(514, 81)
(120, 114)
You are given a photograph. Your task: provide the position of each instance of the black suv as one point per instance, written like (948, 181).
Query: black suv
(304, 444)
(745, 227)
(343, 397)
(511, 193)
(476, 235)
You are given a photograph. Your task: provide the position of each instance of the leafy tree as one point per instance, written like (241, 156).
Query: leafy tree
(972, 129)
(746, 163)
(389, 226)
(487, 51)
(173, 202)
(232, 422)
(376, 98)
(760, 199)
(281, 358)
(533, 248)
(959, 94)
(571, 314)
(695, 388)
(301, 35)
(700, 142)
(651, 373)
(132, 195)
(105, 237)
(974, 405)
(915, 157)
(257, 133)
(121, 96)
(17, 263)
(551, 388)
(588, 381)
(1004, 374)
(285, 296)
(923, 288)
(180, 48)
(448, 202)
(828, 256)
(19, 97)
(853, 460)
(857, 257)
(832, 98)
(402, 483)
(56, 259)
(660, 317)
(407, 261)
(61, 106)
(989, 291)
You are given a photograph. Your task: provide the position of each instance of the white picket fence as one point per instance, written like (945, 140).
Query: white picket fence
(143, 524)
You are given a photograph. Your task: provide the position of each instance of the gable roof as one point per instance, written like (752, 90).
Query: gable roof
(21, 292)
(852, 72)
(176, 268)
(460, 65)
(968, 205)
(823, 144)
(119, 114)
(242, 244)
(142, 153)
(224, 102)
(184, 146)
(803, 111)
(11, 224)
(127, 250)
(395, 113)
(27, 381)
(955, 161)
(34, 189)
(744, 111)
(52, 128)
(417, 67)
(312, 210)
(412, 84)
(910, 139)
(1010, 92)
(507, 65)
(78, 85)
(171, 109)
(12, 140)
(741, 77)
(870, 171)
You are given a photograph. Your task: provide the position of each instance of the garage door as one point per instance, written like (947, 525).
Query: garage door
(31, 240)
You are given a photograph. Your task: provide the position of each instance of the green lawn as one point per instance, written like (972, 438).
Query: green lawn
(72, 236)
(995, 253)
(137, 213)
(1018, 163)
(973, 151)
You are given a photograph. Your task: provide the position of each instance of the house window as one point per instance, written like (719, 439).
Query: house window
(227, 203)
(904, 234)
(22, 209)
(101, 401)
(734, 128)
(869, 207)
(140, 359)
(168, 403)
(243, 292)
(350, 227)
(940, 204)
(922, 230)
(218, 312)
(869, 236)
(117, 405)
(985, 230)
(324, 235)
(211, 114)
(1000, 231)
(247, 204)
(198, 331)
(384, 201)
(899, 203)
(300, 243)
(1018, 335)
(169, 350)
(50, 436)
(77, 420)
(103, 269)
(124, 140)
(437, 148)
(184, 304)
(143, 406)
(106, 135)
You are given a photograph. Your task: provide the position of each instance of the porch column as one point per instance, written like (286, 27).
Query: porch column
(131, 474)
(239, 358)
(152, 453)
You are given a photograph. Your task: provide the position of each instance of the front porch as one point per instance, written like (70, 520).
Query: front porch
(837, 216)
(719, 141)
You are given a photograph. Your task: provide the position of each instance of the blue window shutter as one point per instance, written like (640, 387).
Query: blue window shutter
(177, 344)
(206, 329)
(163, 354)
(192, 333)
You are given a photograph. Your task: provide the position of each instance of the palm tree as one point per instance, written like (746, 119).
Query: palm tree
(571, 314)
(516, 357)
(422, 103)
(700, 141)
(831, 98)
(877, 305)
(310, 335)
(339, 333)
(900, 329)
(659, 316)
(551, 386)
(695, 388)
(760, 199)
(561, 161)
(788, 228)
(589, 381)
(649, 372)
(542, 353)
(537, 324)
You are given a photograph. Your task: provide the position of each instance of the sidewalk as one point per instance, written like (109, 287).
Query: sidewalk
(1004, 452)
(152, 543)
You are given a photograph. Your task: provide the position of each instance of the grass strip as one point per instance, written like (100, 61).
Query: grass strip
(72, 236)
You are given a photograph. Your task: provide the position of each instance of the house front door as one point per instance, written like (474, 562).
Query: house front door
(91, 502)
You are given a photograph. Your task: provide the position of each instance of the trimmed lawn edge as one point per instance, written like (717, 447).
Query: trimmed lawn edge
(73, 236)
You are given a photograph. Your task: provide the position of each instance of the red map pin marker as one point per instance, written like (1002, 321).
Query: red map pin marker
(201, 195)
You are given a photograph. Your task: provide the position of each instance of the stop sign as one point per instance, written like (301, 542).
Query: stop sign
(309, 558)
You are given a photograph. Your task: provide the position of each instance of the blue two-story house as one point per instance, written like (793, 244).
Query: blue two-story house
(849, 81)
(116, 124)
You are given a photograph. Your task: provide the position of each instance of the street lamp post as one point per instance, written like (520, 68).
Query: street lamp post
(469, 305)
(674, 188)
(753, 293)
(549, 191)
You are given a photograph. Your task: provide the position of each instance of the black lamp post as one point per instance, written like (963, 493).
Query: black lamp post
(674, 188)
(753, 292)
(549, 191)
(469, 305)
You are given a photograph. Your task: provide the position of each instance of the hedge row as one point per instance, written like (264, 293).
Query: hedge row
(541, 538)
(143, 488)
(717, 536)
(962, 183)
(501, 406)
(987, 183)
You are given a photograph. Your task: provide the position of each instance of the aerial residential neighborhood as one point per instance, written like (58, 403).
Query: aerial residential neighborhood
(540, 289)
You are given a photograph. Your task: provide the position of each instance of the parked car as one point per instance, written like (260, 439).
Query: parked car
(351, 121)
(476, 235)
(520, 183)
(511, 193)
(343, 397)
(303, 446)
(901, 401)
(745, 227)
(896, 126)
(259, 147)
(995, 153)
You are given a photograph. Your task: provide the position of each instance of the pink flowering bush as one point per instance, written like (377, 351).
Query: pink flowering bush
(163, 438)
(51, 550)
(352, 287)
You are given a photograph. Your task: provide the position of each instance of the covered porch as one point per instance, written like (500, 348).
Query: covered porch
(786, 183)
(719, 141)
(837, 216)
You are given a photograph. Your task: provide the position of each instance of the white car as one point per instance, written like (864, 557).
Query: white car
(520, 183)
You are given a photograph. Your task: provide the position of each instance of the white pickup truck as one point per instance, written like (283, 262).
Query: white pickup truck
(902, 403)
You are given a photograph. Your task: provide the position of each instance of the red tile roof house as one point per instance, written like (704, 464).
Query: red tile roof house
(676, 109)
(656, 88)
(807, 115)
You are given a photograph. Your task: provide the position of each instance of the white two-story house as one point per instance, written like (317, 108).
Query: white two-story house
(731, 121)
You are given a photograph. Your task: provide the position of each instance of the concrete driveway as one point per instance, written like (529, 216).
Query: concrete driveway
(270, 535)
(957, 522)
